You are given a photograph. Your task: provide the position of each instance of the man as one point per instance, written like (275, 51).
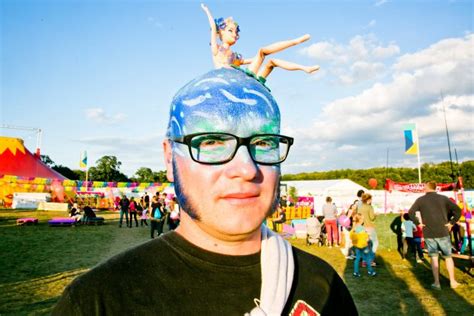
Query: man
(223, 153)
(124, 204)
(146, 199)
(396, 227)
(281, 219)
(435, 211)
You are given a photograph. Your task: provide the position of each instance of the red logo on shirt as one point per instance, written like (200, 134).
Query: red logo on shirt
(302, 308)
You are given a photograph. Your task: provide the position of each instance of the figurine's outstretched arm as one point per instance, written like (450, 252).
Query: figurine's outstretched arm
(212, 23)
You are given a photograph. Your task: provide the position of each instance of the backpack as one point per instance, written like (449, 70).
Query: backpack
(157, 213)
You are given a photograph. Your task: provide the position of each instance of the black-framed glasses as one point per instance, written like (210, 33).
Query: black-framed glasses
(219, 148)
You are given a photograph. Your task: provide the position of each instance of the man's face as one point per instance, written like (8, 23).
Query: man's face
(231, 199)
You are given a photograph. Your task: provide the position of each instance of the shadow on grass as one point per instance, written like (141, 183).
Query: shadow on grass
(404, 288)
(384, 294)
(449, 301)
(38, 261)
(35, 294)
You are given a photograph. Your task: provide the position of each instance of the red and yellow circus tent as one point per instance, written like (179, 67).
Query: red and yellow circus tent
(16, 160)
(22, 171)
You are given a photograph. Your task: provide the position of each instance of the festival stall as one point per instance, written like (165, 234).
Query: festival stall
(97, 194)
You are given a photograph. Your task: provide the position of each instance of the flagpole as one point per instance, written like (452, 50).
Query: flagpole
(87, 178)
(418, 153)
(385, 191)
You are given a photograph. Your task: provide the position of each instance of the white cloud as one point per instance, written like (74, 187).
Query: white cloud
(98, 115)
(361, 71)
(347, 147)
(386, 52)
(414, 94)
(133, 151)
(155, 22)
(359, 60)
(444, 52)
(371, 24)
(379, 3)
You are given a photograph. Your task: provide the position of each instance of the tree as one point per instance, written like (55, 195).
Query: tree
(160, 176)
(441, 173)
(65, 171)
(144, 175)
(107, 169)
(80, 174)
(467, 173)
(47, 160)
(293, 193)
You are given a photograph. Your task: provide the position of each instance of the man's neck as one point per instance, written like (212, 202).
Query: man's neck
(239, 245)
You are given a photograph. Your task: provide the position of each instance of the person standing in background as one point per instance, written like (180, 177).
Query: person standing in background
(367, 211)
(436, 219)
(330, 220)
(124, 205)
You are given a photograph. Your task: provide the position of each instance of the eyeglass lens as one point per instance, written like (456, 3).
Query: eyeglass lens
(214, 148)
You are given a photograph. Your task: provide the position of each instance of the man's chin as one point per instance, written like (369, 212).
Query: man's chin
(242, 231)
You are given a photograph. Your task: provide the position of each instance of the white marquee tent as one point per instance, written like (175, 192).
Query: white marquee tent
(342, 191)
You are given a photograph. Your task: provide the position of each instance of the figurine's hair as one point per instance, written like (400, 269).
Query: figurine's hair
(222, 23)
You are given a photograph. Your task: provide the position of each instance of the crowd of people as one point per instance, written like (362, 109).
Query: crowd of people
(159, 209)
(82, 216)
(353, 230)
(427, 225)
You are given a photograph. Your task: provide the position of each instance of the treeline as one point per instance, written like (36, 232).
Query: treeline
(441, 173)
(107, 169)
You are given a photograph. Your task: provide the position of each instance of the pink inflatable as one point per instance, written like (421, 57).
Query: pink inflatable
(344, 221)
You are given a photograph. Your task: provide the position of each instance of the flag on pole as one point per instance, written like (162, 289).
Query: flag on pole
(83, 161)
(411, 139)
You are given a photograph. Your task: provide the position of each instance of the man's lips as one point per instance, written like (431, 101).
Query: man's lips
(240, 197)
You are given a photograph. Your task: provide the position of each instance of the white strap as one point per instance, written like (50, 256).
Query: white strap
(277, 267)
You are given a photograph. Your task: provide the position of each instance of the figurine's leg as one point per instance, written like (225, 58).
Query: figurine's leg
(274, 48)
(272, 63)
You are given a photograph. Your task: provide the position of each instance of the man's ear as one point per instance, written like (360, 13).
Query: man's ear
(168, 153)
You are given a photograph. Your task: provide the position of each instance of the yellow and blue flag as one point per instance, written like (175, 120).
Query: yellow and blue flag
(411, 139)
(83, 161)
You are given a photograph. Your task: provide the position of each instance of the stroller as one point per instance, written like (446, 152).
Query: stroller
(315, 234)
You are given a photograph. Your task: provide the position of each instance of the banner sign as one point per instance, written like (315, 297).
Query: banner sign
(391, 185)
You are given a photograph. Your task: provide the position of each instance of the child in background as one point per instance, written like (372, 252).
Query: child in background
(408, 227)
(360, 241)
(417, 237)
(347, 250)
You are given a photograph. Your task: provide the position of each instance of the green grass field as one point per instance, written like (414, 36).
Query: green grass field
(38, 261)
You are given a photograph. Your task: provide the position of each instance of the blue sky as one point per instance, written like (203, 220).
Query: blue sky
(99, 76)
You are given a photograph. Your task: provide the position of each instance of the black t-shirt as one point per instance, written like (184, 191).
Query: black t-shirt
(125, 203)
(436, 211)
(178, 278)
(88, 212)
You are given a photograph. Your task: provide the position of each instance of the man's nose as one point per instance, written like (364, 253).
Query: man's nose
(242, 165)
